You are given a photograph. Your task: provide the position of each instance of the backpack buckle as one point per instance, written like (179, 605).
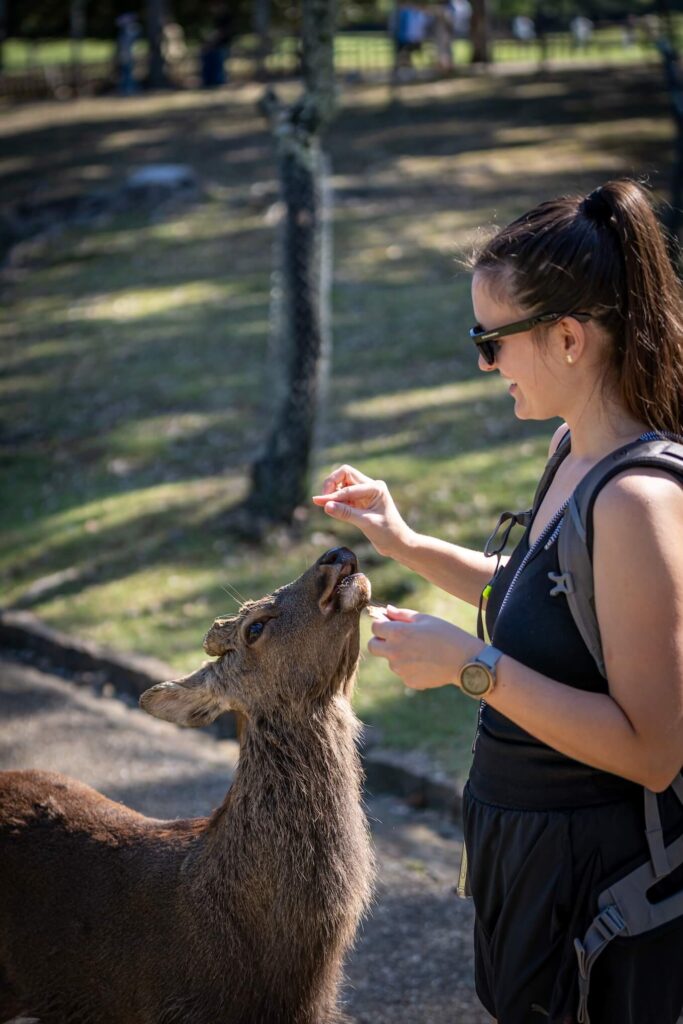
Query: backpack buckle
(564, 583)
(610, 922)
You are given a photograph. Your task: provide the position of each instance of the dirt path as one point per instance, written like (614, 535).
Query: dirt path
(413, 961)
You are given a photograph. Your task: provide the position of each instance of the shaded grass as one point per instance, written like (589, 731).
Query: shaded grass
(137, 378)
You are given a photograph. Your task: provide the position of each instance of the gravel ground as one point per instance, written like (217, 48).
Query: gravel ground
(413, 960)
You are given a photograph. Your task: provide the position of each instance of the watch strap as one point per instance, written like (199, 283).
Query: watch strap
(489, 656)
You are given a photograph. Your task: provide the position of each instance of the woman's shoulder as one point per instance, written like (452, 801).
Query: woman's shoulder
(641, 499)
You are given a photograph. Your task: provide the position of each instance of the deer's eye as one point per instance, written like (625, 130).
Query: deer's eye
(254, 632)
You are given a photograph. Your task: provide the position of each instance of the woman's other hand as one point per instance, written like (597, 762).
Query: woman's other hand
(423, 650)
(352, 497)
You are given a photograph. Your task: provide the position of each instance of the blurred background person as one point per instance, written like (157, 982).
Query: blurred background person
(128, 31)
(216, 50)
(523, 28)
(442, 31)
(408, 27)
(581, 29)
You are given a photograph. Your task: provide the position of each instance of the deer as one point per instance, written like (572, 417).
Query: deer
(241, 917)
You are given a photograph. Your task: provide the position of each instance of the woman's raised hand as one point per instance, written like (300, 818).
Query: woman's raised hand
(351, 496)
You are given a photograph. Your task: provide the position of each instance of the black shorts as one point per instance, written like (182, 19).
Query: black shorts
(535, 877)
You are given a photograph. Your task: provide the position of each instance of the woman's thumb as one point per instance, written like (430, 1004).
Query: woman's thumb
(339, 510)
(401, 614)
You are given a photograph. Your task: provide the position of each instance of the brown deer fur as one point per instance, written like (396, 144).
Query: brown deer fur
(244, 917)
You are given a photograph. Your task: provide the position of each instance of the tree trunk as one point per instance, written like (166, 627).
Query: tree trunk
(260, 24)
(3, 32)
(673, 216)
(76, 35)
(281, 475)
(156, 18)
(479, 32)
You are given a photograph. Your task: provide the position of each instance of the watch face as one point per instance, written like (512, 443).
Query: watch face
(475, 679)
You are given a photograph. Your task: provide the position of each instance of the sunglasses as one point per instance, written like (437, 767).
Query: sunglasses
(487, 341)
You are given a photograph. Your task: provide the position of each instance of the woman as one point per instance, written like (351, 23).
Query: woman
(553, 806)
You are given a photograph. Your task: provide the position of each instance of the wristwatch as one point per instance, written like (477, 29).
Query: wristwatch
(478, 677)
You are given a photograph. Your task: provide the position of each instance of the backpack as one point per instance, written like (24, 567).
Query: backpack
(624, 908)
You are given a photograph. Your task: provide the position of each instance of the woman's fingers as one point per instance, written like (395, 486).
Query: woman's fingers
(378, 628)
(340, 510)
(385, 629)
(343, 477)
(357, 494)
(377, 647)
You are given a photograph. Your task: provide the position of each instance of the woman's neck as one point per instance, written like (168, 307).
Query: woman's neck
(599, 426)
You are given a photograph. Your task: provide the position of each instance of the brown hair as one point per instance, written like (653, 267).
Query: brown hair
(604, 254)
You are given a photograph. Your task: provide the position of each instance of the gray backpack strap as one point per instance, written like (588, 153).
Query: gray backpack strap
(624, 909)
(605, 927)
(654, 832)
(574, 551)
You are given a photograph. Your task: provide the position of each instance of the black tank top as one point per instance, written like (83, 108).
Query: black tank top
(510, 767)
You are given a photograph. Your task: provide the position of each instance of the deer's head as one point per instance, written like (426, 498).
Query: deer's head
(285, 652)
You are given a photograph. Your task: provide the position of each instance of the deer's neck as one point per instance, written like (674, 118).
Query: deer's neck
(292, 830)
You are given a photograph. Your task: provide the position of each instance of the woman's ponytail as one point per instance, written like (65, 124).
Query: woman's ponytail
(649, 360)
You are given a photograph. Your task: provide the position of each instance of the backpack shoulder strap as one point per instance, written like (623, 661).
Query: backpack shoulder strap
(575, 540)
(497, 542)
(559, 455)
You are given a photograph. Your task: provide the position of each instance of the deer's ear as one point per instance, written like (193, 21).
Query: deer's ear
(192, 701)
(221, 637)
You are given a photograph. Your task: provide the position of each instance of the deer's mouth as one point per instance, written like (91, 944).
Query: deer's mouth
(346, 591)
(353, 592)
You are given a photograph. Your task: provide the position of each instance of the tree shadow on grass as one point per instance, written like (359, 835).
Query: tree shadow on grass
(179, 534)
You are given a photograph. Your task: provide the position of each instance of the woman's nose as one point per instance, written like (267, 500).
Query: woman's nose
(484, 366)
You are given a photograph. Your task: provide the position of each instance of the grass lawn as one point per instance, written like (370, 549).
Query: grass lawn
(136, 376)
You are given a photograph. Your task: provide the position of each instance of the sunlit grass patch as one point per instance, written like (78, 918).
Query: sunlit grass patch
(135, 303)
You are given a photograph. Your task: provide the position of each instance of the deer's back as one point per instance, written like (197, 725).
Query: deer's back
(89, 901)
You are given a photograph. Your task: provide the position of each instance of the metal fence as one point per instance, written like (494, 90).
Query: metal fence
(359, 54)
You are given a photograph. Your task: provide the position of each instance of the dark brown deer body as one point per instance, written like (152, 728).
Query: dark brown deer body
(109, 917)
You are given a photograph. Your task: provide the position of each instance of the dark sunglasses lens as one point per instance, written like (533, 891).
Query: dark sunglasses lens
(488, 350)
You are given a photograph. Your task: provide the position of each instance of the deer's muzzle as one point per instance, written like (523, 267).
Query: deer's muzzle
(344, 588)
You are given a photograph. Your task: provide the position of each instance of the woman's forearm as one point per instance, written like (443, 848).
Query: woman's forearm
(427, 652)
(460, 571)
(588, 727)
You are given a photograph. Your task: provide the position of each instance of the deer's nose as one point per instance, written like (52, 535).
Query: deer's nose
(340, 557)
(334, 565)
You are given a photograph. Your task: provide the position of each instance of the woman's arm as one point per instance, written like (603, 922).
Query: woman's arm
(460, 571)
(352, 497)
(636, 730)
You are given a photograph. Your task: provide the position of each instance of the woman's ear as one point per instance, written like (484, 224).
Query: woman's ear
(572, 339)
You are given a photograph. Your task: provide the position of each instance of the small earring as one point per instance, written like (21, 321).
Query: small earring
(570, 359)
